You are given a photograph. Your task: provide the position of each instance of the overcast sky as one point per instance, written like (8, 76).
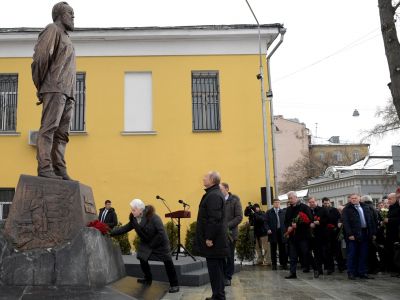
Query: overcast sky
(331, 62)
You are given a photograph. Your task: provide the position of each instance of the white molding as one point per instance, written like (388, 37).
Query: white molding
(102, 42)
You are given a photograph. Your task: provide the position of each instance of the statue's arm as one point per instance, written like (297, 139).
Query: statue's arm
(44, 53)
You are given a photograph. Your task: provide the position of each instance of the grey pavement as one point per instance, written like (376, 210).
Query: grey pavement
(260, 282)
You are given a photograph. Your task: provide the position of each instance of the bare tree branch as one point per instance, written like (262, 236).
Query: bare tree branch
(396, 6)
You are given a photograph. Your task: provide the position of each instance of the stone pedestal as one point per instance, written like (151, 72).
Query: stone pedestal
(46, 242)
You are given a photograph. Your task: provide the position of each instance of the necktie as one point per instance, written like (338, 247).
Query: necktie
(362, 217)
(278, 224)
(103, 216)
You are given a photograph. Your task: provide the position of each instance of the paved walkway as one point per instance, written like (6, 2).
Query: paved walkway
(257, 282)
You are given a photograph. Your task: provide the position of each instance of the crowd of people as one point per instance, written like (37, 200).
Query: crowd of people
(357, 237)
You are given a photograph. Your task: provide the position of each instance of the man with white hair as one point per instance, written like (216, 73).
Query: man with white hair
(154, 242)
(298, 233)
(212, 233)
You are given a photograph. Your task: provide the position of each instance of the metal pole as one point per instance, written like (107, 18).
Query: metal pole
(264, 115)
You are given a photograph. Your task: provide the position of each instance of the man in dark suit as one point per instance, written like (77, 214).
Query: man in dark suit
(211, 233)
(298, 234)
(319, 235)
(359, 228)
(107, 215)
(392, 223)
(276, 230)
(233, 217)
(332, 247)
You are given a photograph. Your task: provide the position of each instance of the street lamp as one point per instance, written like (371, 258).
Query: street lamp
(260, 77)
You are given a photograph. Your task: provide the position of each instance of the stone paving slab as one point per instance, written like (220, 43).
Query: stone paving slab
(260, 282)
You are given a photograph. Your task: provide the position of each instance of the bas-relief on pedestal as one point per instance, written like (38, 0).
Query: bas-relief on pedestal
(46, 242)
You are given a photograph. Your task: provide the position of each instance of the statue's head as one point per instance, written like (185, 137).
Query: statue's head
(64, 14)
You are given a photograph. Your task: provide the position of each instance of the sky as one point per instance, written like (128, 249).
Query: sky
(331, 62)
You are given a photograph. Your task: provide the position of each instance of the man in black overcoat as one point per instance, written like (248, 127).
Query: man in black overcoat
(392, 223)
(298, 234)
(212, 233)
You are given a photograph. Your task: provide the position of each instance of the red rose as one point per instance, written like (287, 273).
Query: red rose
(304, 218)
(100, 226)
(330, 226)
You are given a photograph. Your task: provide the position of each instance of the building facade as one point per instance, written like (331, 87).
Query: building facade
(292, 139)
(372, 176)
(156, 109)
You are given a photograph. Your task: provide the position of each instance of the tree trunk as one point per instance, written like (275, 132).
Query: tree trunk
(392, 48)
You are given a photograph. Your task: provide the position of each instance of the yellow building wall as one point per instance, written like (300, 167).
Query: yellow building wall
(170, 163)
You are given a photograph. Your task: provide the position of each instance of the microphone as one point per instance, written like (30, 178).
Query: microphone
(183, 202)
(158, 197)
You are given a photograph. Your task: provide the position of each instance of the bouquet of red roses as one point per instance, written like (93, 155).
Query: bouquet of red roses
(301, 218)
(100, 226)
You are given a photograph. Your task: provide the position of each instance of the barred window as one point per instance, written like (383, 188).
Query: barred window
(205, 101)
(78, 119)
(8, 102)
(6, 197)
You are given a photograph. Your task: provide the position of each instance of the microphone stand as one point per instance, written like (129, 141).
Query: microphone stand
(165, 204)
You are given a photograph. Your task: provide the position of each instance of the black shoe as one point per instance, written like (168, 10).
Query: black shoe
(291, 276)
(366, 277)
(173, 289)
(227, 282)
(329, 272)
(49, 174)
(316, 274)
(306, 271)
(144, 281)
(209, 298)
(274, 267)
(283, 267)
(351, 276)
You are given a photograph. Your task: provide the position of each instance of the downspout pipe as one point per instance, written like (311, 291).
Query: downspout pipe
(282, 32)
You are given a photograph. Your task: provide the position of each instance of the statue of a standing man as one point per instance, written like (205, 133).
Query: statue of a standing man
(54, 75)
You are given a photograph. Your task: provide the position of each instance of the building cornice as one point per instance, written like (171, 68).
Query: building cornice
(138, 41)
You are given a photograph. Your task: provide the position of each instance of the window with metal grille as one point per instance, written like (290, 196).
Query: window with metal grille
(8, 102)
(6, 197)
(78, 119)
(205, 101)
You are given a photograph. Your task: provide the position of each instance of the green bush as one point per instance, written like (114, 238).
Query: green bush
(123, 242)
(245, 245)
(190, 238)
(172, 233)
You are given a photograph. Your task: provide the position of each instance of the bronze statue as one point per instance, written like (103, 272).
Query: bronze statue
(54, 75)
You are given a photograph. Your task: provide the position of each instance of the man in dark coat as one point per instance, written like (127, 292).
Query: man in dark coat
(233, 217)
(276, 231)
(107, 215)
(212, 233)
(54, 76)
(154, 242)
(392, 223)
(359, 229)
(298, 234)
(332, 247)
(261, 235)
(319, 232)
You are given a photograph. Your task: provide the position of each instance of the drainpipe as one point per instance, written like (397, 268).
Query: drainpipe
(282, 32)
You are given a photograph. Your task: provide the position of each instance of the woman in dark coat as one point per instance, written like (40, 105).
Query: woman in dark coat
(154, 243)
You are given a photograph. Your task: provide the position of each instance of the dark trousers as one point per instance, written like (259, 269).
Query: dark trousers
(215, 268)
(229, 262)
(357, 253)
(389, 256)
(315, 256)
(54, 131)
(298, 248)
(331, 251)
(169, 267)
(279, 244)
